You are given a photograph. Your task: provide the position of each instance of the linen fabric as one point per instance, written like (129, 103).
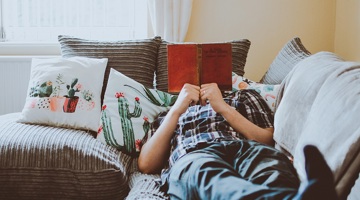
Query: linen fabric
(317, 101)
(129, 109)
(65, 92)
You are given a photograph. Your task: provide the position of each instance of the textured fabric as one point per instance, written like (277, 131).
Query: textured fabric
(43, 162)
(240, 49)
(322, 108)
(65, 92)
(293, 52)
(128, 109)
(134, 58)
(144, 186)
(200, 124)
(233, 170)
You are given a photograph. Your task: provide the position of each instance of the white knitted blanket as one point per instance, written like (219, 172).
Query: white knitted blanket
(320, 105)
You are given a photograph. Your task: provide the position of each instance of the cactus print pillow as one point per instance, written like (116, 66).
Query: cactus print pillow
(267, 91)
(128, 110)
(65, 92)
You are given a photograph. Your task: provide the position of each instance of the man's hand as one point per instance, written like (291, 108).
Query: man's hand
(189, 95)
(211, 92)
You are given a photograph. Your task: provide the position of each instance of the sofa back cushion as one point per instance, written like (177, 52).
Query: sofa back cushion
(134, 58)
(240, 49)
(322, 108)
(291, 53)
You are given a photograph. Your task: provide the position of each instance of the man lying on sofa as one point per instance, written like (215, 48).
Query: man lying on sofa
(221, 149)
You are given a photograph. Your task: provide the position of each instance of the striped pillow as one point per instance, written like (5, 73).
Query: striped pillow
(240, 49)
(134, 58)
(292, 53)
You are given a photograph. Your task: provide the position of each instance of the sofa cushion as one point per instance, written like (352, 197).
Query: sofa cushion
(321, 108)
(129, 109)
(292, 52)
(65, 92)
(267, 91)
(134, 58)
(44, 162)
(240, 49)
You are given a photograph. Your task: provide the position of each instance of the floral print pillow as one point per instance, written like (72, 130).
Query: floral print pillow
(65, 92)
(268, 92)
(128, 111)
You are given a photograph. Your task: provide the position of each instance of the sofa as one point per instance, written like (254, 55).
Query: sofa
(46, 154)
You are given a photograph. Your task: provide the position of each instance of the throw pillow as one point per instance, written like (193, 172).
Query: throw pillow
(240, 49)
(129, 109)
(267, 91)
(134, 58)
(65, 92)
(292, 53)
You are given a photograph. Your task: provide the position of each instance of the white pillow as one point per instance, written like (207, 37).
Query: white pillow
(268, 91)
(129, 109)
(65, 92)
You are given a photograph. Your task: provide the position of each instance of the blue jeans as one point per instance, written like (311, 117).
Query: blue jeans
(233, 170)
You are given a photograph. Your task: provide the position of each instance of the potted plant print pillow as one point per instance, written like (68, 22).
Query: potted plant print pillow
(128, 110)
(65, 92)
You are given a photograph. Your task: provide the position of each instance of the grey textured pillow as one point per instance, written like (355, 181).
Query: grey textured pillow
(292, 53)
(240, 49)
(134, 58)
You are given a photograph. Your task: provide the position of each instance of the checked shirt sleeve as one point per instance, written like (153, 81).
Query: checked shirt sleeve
(253, 106)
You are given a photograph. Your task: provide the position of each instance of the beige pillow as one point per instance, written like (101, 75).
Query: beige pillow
(293, 52)
(134, 58)
(240, 49)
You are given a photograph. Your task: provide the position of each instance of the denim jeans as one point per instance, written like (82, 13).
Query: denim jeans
(233, 170)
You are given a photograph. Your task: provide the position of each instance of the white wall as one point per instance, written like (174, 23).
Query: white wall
(267, 24)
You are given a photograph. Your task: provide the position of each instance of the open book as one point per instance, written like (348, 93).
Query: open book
(198, 64)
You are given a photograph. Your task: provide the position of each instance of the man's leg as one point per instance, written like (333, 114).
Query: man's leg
(204, 174)
(261, 164)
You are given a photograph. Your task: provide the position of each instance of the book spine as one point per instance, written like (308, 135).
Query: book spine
(199, 62)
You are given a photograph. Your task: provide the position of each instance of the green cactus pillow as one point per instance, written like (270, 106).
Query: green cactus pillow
(127, 112)
(65, 92)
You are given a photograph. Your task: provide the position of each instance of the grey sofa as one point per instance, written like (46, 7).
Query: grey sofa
(43, 162)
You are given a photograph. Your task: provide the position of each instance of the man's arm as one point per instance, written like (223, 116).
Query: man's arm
(155, 152)
(242, 125)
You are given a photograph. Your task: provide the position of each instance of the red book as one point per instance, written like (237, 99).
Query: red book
(198, 64)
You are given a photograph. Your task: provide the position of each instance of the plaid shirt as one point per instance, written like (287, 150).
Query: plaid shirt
(201, 124)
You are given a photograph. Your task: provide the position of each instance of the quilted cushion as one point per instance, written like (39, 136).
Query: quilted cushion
(43, 162)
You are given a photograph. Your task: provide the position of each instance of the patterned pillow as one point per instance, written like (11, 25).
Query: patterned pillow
(267, 91)
(129, 109)
(65, 92)
(240, 50)
(134, 58)
(292, 53)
